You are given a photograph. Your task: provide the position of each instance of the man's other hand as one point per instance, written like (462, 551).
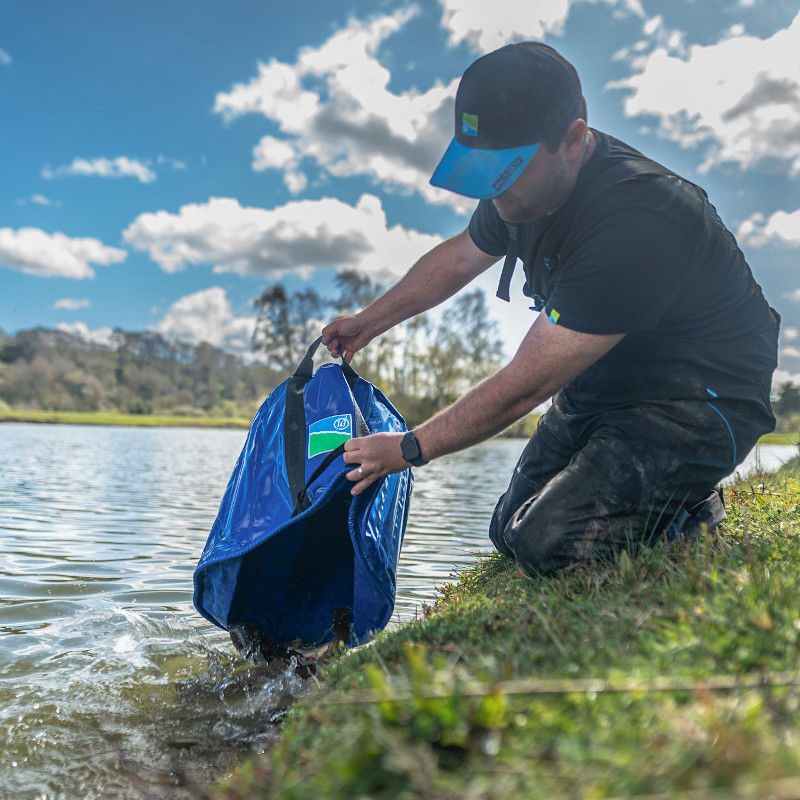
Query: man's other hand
(377, 455)
(345, 336)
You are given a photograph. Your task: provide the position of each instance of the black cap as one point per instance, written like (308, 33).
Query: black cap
(508, 102)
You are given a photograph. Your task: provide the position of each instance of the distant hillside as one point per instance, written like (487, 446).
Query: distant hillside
(139, 373)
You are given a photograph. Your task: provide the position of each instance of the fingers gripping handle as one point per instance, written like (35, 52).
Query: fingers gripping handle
(305, 369)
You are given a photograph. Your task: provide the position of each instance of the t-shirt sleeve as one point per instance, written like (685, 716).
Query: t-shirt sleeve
(487, 230)
(623, 275)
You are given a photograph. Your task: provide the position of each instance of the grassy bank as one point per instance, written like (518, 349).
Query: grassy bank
(524, 428)
(672, 673)
(115, 418)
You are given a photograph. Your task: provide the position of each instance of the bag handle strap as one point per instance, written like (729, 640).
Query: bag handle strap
(305, 369)
(302, 501)
(294, 426)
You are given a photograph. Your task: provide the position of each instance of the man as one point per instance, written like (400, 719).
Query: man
(654, 341)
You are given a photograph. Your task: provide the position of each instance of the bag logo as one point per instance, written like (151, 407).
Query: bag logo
(327, 434)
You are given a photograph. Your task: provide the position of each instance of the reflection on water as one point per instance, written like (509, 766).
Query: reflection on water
(111, 686)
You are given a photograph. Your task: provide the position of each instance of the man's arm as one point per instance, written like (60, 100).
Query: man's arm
(439, 274)
(549, 357)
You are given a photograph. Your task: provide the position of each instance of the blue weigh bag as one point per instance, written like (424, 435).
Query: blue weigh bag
(293, 559)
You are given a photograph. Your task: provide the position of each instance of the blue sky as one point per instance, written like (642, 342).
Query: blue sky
(162, 163)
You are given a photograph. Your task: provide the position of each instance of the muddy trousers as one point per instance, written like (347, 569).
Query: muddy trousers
(587, 486)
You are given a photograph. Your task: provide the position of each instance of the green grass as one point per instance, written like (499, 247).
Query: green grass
(780, 438)
(524, 428)
(115, 418)
(673, 673)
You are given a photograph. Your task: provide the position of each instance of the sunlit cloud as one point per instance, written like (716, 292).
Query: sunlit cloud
(70, 304)
(780, 228)
(51, 255)
(99, 336)
(738, 99)
(300, 236)
(333, 107)
(487, 26)
(206, 316)
(119, 167)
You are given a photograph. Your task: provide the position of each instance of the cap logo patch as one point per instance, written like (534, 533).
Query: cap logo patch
(507, 173)
(469, 124)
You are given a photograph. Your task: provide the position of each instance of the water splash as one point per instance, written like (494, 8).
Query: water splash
(150, 708)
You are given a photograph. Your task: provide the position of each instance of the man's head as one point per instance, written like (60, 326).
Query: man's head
(508, 104)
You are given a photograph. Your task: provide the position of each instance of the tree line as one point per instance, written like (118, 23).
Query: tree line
(786, 407)
(139, 373)
(422, 365)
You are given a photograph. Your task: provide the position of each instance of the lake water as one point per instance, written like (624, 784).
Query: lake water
(111, 685)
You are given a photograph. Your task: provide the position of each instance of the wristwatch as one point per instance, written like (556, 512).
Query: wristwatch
(411, 452)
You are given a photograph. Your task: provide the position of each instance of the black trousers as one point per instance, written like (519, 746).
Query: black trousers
(589, 485)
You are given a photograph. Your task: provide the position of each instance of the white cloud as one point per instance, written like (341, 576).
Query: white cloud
(795, 295)
(119, 167)
(299, 236)
(652, 25)
(487, 26)
(272, 153)
(790, 352)
(333, 106)
(658, 35)
(175, 163)
(49, 255)
(102, 336)
(70, 304)
(37, 200)
(740, 98)
(781, 376)
(781, 228)
(735, 30)
(5, 57)
(206, 316)
(790, 334)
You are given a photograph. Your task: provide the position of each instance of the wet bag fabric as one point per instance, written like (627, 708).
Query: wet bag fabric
(292, 556)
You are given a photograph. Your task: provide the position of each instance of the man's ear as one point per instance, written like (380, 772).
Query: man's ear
(573, 139)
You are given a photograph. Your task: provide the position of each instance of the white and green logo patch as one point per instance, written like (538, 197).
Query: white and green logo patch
(327, 434)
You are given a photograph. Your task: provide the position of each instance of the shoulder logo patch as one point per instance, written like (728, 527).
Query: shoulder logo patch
(327, 434)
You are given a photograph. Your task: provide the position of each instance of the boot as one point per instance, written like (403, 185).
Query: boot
(688, 525)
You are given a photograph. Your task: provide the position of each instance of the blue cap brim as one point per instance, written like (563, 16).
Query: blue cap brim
(481, 173)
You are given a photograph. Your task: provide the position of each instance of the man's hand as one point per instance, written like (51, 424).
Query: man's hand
(377, 455)
(345, 336)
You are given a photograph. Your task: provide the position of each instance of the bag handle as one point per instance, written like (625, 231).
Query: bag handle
(294, 428)
(305, 369)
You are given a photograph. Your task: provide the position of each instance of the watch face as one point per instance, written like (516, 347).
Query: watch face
(410, 448)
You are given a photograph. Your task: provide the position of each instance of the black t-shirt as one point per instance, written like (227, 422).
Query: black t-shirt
(636, 249)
